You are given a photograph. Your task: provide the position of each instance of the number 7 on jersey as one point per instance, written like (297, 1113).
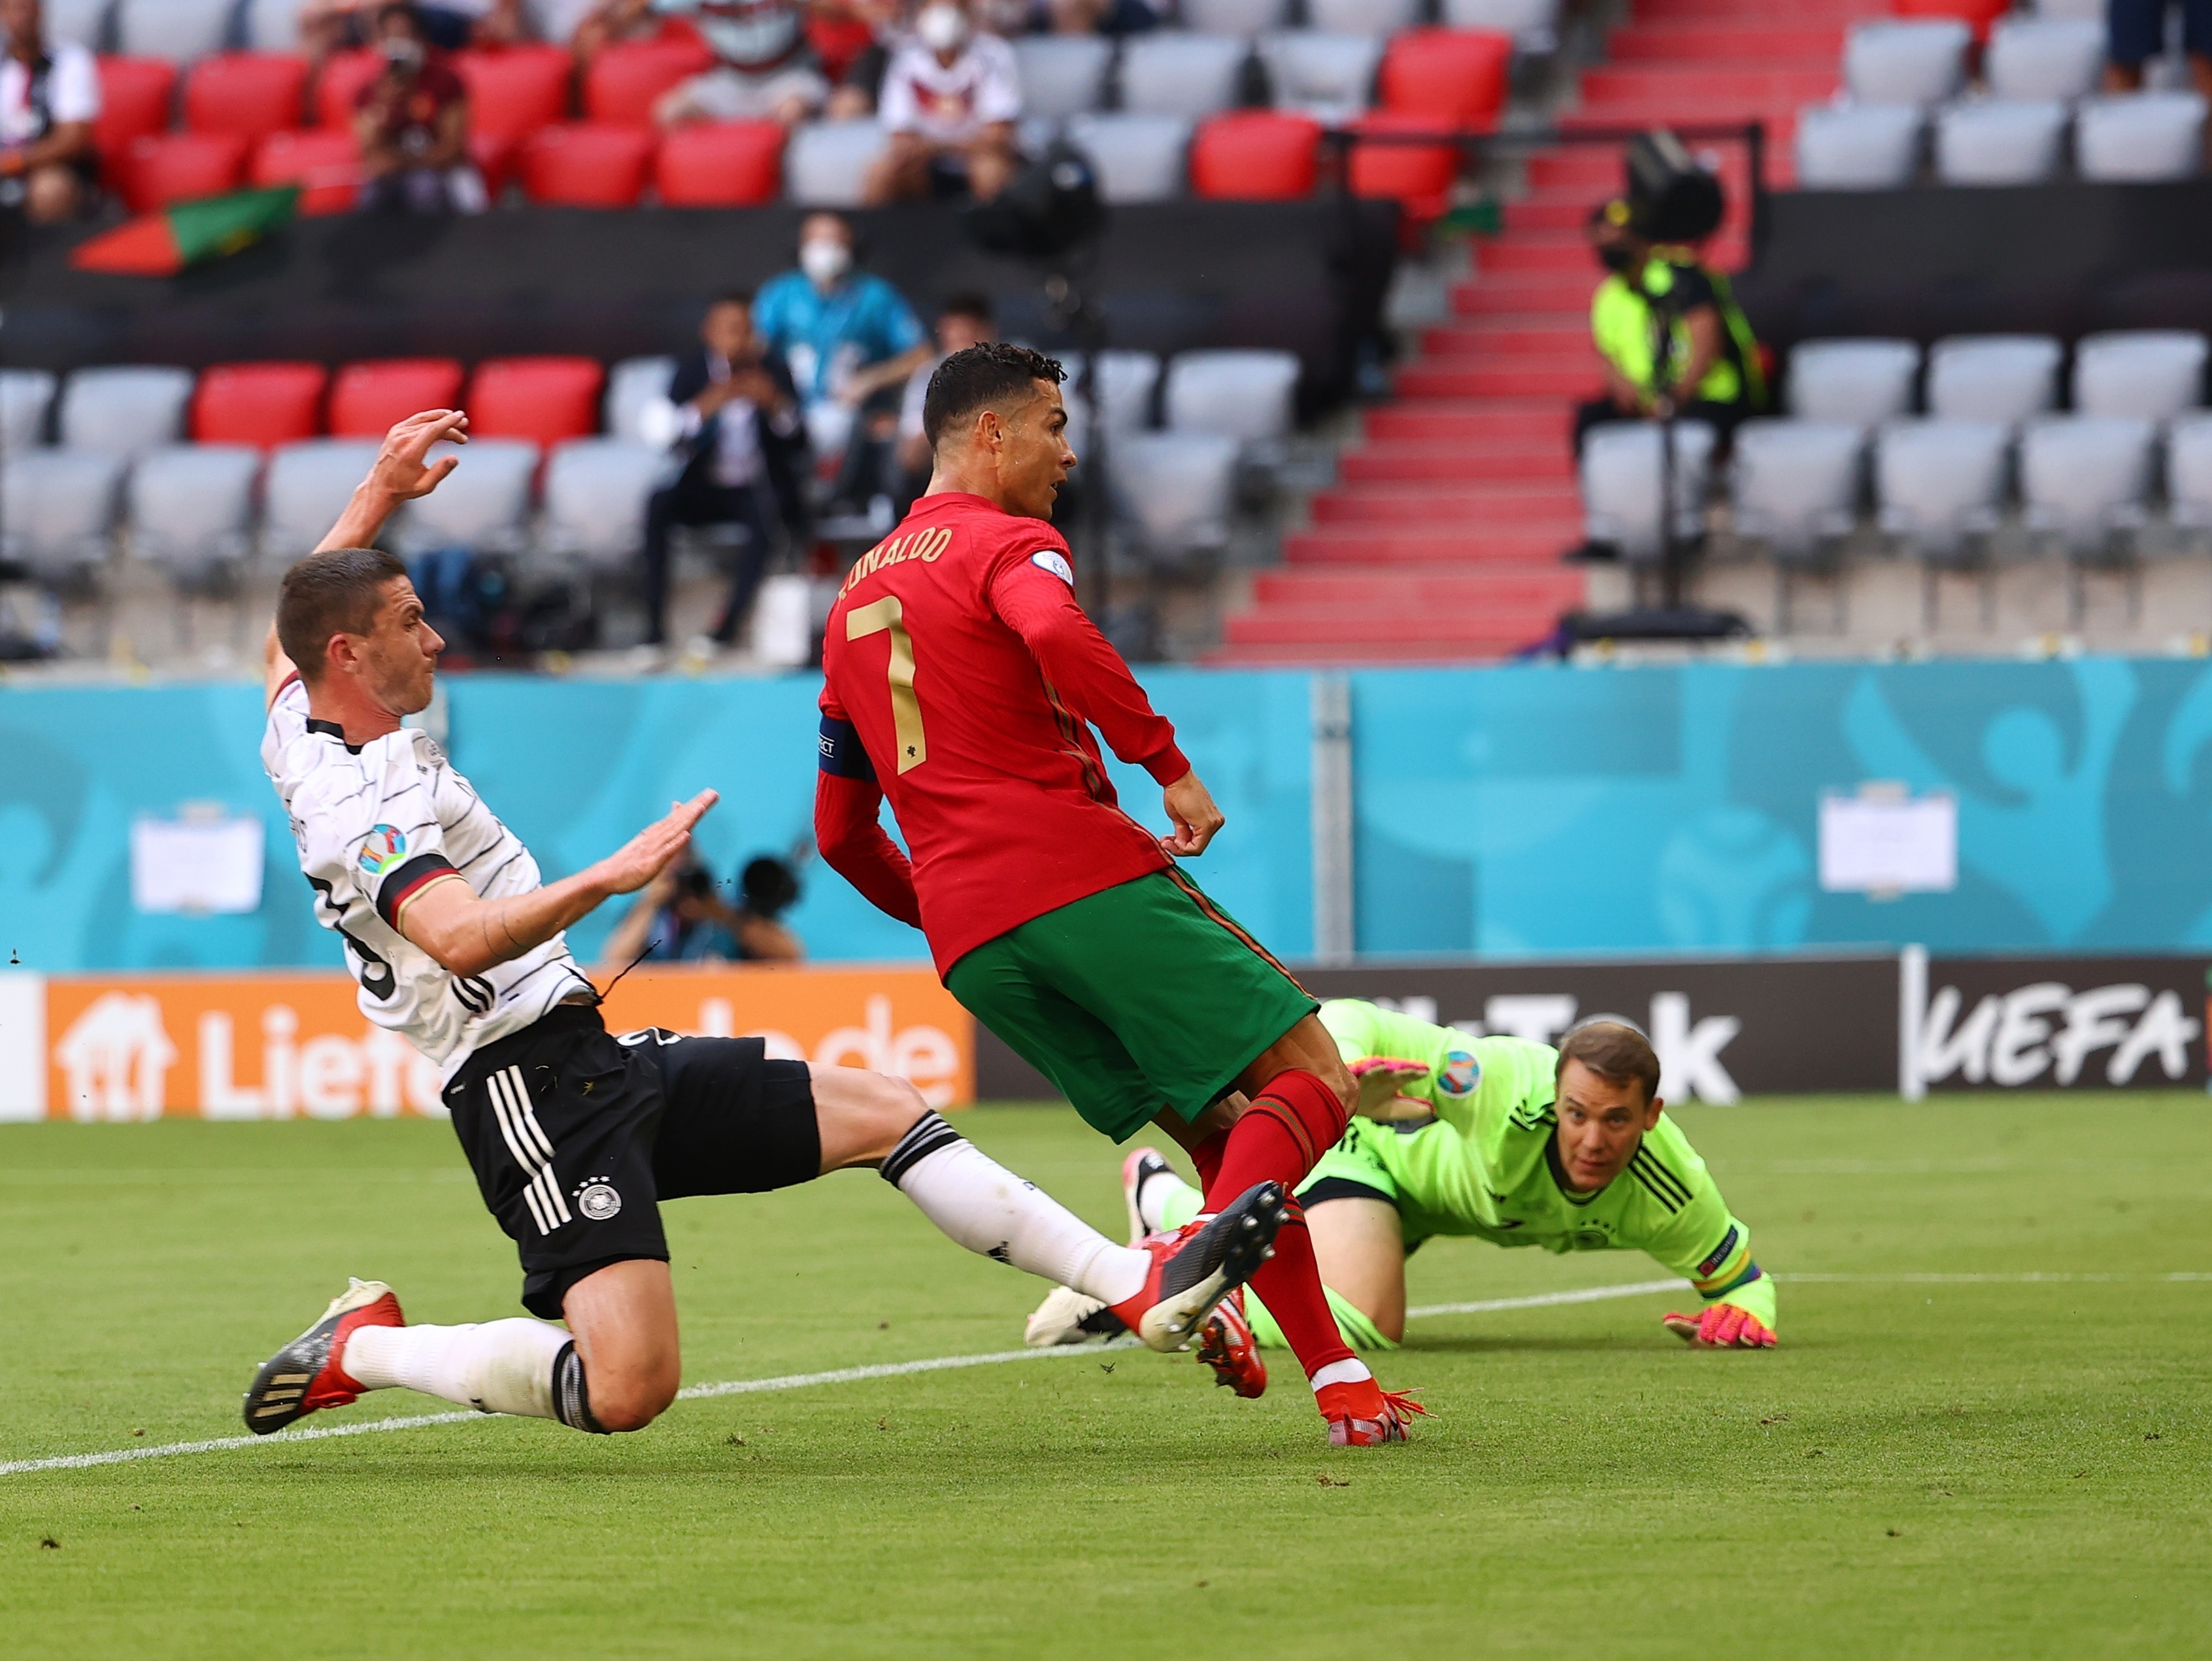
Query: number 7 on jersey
(875, 618)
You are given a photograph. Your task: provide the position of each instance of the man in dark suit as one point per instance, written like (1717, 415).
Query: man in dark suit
(740, 449)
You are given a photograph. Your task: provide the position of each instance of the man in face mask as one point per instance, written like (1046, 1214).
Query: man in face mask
(851, 340)
(412, 122)
(949, 101)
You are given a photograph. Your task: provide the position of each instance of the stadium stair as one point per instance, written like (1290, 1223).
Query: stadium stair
(1442, 541)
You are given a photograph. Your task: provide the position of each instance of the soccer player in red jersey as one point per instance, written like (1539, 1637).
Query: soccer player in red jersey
(961, 679)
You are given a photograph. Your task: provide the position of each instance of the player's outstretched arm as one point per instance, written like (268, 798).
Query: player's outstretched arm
(467, 935)
(402, 472)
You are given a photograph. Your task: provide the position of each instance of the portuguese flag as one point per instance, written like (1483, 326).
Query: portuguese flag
(187, 233)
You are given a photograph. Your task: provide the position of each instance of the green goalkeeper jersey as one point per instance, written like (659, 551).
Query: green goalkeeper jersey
(1487, 1164)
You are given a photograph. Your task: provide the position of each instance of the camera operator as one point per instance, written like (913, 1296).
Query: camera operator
(682, 917)
(412, 122)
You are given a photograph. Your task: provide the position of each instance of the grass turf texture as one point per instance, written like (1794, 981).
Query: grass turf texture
(1922, 1470)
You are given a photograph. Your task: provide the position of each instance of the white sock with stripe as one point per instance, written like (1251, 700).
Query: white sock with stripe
(496, 1366)
(986, 1208)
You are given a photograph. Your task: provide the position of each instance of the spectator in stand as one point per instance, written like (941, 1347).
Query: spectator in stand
(890, 23)
(1115, 17)
(851, 340)
(49, 99)
(682, 917)
(2135, 33)
(412, 122)
(962, 321)
(949, 100)
(767, 69)
(329, 25)
(610, 22)
(732, 415)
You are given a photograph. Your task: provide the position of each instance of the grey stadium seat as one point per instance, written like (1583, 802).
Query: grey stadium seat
(1331, 77)
(1623, 483)
(273, 25)
(632, 384)
(2155, 373)
(2084, 476)
(1797, 482)
(483, 505)
(82, 22)
(595, 492)
(61, 506)
(125, 409)
(2031, 58)
(1244, 17)
(2092, 9)
(308, 485)
(1062, 75)
(2139, 136)
(1861, 382)
(1939, 481)
(192, 507)
(1993, 377)
(826, 162)
(26, 395)
(1189, 76)
(2189, 471)
(1137, 158)
(1534, 24)
(1175, 489)
(1362, 16)
(1857, 147)
(1905, 63)
(557, 20)
(178, 30)
(1998, 142)
(1126, 382)
(1246, 395)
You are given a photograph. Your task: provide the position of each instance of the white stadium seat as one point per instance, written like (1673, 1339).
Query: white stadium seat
(1993, 377)
(483, 505)
(1534, 24)
(61, 505)
(1244, 17)
(1126, 382)
(595, 492)
(2139, 136)
(1939, 481)
(826, 162)
(1377, 17)
(2092, 9)
(125, 409)
(1189, 76)
(178, 30)
(1858, 147)
(1175, 489)
(2033, 58)
(82, 22)
(557, 20)
(1137, 158)
(2189, 471)
(274, 25)
(308, 485)
(1797, 482)
(632, 386)
(26, 395)
(1246, 395)
(2155, 373)
(192, 507)
(1062, 75)
(1861, 382)
(1905, 63)
(2082, 478)
(1623, 482)
(1330, 76)
(1997, 143)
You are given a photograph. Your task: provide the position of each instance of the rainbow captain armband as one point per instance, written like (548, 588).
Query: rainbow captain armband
(843, 756)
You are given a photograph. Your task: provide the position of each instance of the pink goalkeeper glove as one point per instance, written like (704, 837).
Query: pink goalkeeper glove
(1722, 1326)
(1380, 1079)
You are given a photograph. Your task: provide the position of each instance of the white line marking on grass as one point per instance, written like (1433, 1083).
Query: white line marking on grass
(1547, 1300)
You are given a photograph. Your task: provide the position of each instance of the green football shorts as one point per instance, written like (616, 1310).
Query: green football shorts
(1142, 996)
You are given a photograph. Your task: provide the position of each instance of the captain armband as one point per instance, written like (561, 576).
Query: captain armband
(843, 756)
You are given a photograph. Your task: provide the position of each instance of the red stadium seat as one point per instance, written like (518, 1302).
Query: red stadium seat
(515, 90)
(586, 167)
(1455, 76)
(324, 161)
(367, 399)
(135, 96)
(733, 164)
(176, 166)
(625, 80)
(1418, 176)
(251, 94)
(260, 404)
(494, 160)
(1256, 156)
(837, 41)
(344, 75)
(1978, 14)
(544, 399)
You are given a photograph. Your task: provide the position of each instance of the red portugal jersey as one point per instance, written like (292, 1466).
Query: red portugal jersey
(959, 674)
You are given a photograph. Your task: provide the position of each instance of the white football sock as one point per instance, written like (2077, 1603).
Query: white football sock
(1167, 1202)
(986, 1208)
(497, 1366)
(1340, 1372)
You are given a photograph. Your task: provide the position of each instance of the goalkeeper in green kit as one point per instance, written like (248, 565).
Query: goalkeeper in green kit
(1514, 1142)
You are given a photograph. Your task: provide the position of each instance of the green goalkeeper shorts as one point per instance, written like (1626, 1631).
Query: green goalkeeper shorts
(1422, 1175)
(1142, 996)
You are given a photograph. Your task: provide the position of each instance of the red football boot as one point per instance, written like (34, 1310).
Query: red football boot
(1228, 1346)
(305, 1375)
(1200, 1264)
(1364, 1415)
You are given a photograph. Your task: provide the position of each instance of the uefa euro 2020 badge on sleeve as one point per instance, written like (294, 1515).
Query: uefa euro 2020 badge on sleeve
(1459, 1076)
(385, 846)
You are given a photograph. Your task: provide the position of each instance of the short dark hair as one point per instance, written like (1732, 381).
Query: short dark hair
(1615, 1051)
(967, 303)
(979, 378)
(732, 297)
(770, 886)
(335, 591)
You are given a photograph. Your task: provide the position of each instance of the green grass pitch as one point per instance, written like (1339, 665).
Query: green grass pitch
(1926, 1468)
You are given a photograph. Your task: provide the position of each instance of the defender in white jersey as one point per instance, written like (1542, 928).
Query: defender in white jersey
(576, 1134)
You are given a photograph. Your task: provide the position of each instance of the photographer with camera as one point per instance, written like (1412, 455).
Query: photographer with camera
(412, 122)
(681, 916)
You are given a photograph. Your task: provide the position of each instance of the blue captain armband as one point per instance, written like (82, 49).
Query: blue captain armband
(843, 754)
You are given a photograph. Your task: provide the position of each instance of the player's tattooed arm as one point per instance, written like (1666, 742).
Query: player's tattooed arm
(468, 935)
(402, 472)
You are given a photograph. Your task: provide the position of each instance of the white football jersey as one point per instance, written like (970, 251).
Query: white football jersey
(375, 824)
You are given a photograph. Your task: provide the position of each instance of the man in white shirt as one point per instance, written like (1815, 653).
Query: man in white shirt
(767, 72)
(576, 1134)
(49, 99)
(949, 100)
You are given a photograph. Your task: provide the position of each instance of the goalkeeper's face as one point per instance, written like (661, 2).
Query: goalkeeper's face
(1602, 1124)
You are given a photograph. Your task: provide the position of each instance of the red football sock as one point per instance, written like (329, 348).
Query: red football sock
(1206, 1156)
(1289, 1283)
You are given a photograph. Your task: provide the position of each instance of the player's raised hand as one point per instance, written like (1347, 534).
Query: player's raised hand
(1383, 1080)
(1722, 1326)
(1191, 811)
(403, 471)
(650, 852)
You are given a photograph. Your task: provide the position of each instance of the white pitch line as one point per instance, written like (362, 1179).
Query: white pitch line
(948, 1363)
